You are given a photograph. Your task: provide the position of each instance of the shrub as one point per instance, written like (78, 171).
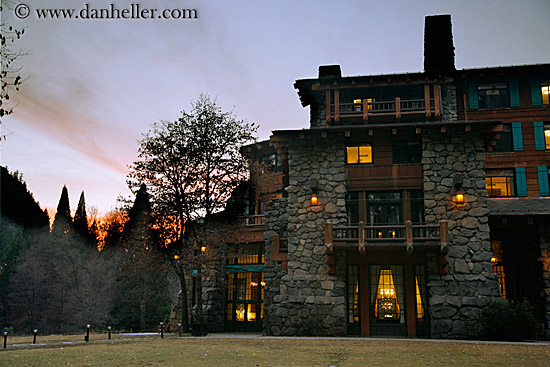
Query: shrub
(508, 320)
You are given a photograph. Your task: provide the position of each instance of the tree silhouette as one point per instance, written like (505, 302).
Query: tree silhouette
(62, 222)
(190, 167)
(80, 222)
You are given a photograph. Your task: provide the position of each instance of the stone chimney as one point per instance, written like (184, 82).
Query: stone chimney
(439, 51)
(330, 71)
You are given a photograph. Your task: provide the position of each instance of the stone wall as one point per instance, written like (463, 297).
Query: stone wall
(305, 300)
(544, 231)
(456, 298)
(448, 103)
(318, 111)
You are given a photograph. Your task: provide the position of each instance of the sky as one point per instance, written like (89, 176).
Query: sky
(94, 86)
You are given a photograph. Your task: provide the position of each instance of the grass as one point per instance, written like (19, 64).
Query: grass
(219, 352)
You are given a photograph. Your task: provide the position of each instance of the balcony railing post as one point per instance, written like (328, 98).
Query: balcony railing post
(328, 107)
(361, 238)
(444, 231)
(409, 236)
(336, 105)
(365, 110)
(427, 100)
(397, 107)
(436, 100)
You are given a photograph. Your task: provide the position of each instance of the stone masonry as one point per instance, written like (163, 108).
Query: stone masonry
(456, 298)
(305, 300)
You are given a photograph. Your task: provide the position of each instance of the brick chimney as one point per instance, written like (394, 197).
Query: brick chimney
(439, 51)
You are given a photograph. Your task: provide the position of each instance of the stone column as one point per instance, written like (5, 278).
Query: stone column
(456, 299)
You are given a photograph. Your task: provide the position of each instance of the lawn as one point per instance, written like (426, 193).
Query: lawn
(187, 351)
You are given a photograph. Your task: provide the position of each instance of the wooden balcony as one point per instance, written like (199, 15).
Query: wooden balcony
(343, 113)
(407, 234)
(252, 221)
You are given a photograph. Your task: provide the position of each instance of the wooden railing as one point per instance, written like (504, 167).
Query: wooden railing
(251, 220)
(382, 107)
(406, 233)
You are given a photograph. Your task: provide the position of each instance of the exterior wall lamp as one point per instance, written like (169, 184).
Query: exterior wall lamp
(458, 179)
(314, 185)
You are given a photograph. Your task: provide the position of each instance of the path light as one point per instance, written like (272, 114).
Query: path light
(5, 339)
(161, 330)
(87, 337)
(109, 331)
(179, 328)
(34, 332)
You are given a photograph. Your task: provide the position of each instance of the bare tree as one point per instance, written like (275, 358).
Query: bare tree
(11, 75)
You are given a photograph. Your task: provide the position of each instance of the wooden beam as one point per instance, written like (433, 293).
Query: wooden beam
(365, 110)
(336, 105)
(328, 106)
(444, 231)
(328, 233)
(437, 96)
(427, 100)
(409, 237)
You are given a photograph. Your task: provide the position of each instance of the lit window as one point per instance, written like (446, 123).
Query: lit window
(359, 154)
(500, 183)
(545, 90)
(493, 95)
(547, 135)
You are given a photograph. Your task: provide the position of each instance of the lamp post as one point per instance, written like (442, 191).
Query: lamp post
(34, 332)
(5, 339)
(87, 337)
(109, 331)
(179, 329)
(161, 330)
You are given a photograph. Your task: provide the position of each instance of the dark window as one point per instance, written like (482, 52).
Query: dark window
(504, 144)
(493, 95)
(272, 162)
(352, 207)
(353, 294)
(500, 183)
(248, 253)
(417, 206)
(384, 208)
(406, 152)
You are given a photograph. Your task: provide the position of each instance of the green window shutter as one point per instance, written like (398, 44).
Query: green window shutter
(540, 142)
(517, 136)
(472, 95)
(536, 97)
(544, 190)
(521, 181)
(514, 93)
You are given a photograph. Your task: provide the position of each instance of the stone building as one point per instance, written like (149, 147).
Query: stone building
(410, 202)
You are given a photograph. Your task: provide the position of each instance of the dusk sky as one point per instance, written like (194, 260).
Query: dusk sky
(94, 86)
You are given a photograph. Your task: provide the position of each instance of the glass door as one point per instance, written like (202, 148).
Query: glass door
(387, 301)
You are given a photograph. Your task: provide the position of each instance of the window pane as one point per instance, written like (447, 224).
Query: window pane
(352, 154)
(353, 294)
(365, 154)
(545, 90)
(493, 95)
(547, 135)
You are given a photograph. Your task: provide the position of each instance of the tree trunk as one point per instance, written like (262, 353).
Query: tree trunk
(184, 310)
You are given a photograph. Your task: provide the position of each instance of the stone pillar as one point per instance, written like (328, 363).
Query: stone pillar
(544, 231)
(456, 298)
(305, 300)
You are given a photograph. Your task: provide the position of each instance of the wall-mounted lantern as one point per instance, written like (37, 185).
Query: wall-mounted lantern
(314, 199)
(458, 179)
(314, 185)
(459, 197)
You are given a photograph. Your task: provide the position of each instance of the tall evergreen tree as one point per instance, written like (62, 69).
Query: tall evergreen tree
(62, 222)
(81, 219)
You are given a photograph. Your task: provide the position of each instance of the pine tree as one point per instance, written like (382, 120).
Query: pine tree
(81, 220)
(62, 222)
